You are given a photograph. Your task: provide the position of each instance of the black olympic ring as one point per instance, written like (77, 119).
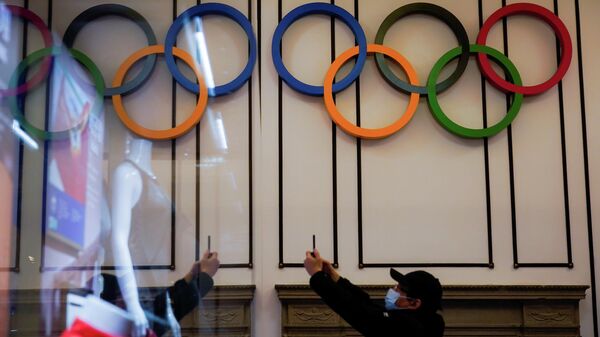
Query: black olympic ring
(438, 12)
(119, 10)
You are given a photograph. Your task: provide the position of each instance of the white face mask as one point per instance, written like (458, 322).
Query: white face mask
(390, 299)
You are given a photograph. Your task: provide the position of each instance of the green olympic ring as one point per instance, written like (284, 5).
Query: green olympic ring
(28, 62)
(460, 130)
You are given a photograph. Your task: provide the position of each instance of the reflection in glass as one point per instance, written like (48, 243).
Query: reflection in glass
(73, 202)
(131, 200)
(8, 170)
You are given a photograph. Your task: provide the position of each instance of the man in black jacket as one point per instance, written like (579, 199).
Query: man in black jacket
(410, 306)
(185, 294)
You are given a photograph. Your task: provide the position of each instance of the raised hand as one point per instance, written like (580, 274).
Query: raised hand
(313, 264)
(210, 263)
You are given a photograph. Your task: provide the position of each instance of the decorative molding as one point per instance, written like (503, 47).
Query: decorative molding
(334, 180)
(250, 263)
(219, 316)
(469, 310)
(314, 314)
(568, 263)
(362, 263)
(548, 316)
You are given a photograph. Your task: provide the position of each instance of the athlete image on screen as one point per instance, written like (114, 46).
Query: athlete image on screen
(74, 165)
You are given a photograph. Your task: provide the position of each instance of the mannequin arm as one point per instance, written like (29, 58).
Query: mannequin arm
(126, 191)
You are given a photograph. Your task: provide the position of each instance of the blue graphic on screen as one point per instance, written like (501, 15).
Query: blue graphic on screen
(65, 218)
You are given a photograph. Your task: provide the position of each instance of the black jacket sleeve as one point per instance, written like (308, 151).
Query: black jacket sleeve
(355, 307)
(184, 298)
(350, 302)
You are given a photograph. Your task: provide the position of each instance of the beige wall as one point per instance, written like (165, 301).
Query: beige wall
(423, 189)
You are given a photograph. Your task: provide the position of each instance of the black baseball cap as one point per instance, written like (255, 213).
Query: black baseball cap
(422, 285)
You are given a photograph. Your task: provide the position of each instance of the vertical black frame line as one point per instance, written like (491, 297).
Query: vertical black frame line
(197, 170)
(173, 158)
(358, 164)
(280, 146)
(334, 179)
(490, 263)
(486, 154)
(250, 262)
(516, 263)
(588, 197)
(250, 154)
(44, 268)
(259, 47)
(18, 207)
(45, 161)
(282, 263)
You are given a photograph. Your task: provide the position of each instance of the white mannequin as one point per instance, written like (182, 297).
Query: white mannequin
(105, 317)
(127, 185)
(173, 324)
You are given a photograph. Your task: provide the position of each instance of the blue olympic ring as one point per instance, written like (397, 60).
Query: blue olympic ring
(318, 8)
(209, 9)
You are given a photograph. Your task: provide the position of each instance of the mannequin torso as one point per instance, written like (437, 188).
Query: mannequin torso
(127, 187)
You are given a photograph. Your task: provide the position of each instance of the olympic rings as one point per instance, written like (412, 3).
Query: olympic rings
(459, 130)
(30, 16)
(182, 128)
(462, 52)
(29, 61)
(114, 9)
(436, 11)
(559, 28)
(357, 131)
(318, 8)
(210, 9)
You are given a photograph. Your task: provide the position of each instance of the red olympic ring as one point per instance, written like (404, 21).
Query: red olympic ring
(559, 28)
(30, 16)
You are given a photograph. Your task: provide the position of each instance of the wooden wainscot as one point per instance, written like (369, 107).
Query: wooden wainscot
(224, 311)
(469, 310)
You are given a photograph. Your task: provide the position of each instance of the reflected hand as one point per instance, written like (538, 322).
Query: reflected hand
(140, 322)
(313, 264)
(194, 270)
(210, 263)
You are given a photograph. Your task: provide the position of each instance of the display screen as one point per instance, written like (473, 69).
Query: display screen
(73, 166)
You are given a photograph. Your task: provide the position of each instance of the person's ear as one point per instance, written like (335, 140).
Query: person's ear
(415, 304)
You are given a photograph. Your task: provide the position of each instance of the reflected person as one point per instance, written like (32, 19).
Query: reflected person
(185, 294)
(140, 223)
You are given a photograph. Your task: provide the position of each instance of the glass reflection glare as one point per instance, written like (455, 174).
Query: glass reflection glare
(27, 140)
